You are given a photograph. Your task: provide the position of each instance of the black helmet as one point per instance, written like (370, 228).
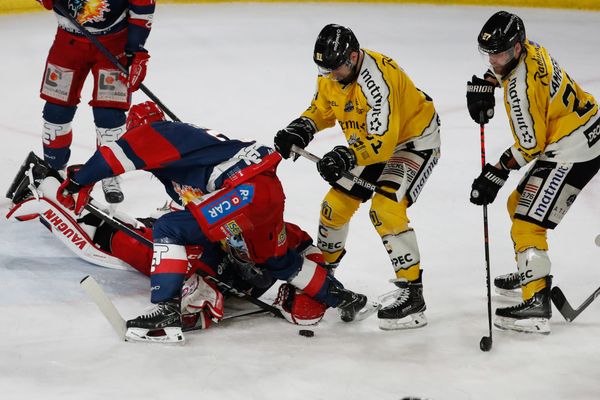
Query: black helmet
(333, 47)
(501, 32)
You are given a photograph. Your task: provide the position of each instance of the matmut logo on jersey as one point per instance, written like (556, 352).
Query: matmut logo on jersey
(65, 227)
(228, 204)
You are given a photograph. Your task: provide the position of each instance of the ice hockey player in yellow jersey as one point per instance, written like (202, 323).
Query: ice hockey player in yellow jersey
(392, 130)
(556, 124)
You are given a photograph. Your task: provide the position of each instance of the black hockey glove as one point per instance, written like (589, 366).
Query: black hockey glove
(338, 160)
(480, 99)
(299, 132)
(486, 186)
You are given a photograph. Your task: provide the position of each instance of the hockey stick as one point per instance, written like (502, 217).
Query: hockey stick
(485, 344)
(221, 285)
(112, 58)
(355, 179)
(564, 307)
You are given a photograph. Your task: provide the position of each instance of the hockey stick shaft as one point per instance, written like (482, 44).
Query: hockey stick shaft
(221, 285)
(565, 308)
(355, 179)
(486, 234)
(111, 57)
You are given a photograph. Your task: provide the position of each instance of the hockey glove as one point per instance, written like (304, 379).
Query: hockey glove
(334, 163)
(299, 132)
(480, 100)
(137, 63)
(48, 4)
(486, 186)
(142, 114)
(69, 188)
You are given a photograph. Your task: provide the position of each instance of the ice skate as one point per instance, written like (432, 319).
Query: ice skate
(530, 316)
(406, 312)
(353, 306)
(160, 324)
(508, 285)
(112, 190)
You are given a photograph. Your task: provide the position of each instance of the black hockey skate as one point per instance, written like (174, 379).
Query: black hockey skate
(112, 190)
(161, 324)
(352, 306)
(406, 312)
(530, 316)
(508, 285)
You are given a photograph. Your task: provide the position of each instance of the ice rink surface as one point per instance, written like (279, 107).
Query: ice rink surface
(246, 69)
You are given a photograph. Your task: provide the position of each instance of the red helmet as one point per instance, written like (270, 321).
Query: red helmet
(144, 113)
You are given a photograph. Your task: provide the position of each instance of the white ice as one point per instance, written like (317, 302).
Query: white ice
(246, 69)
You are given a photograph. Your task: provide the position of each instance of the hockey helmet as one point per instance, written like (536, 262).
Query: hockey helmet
(142, 114)
(333, 47)
(501, 32)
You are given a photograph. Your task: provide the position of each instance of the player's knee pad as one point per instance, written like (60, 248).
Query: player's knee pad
(404, 254)
(331, 242)
(297, 307)
(388, 216)
(109, 135)
(526, 234)
(337, 209)
(533, 265)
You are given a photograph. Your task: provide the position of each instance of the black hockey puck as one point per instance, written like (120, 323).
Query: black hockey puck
(306, 332)
(485, 344)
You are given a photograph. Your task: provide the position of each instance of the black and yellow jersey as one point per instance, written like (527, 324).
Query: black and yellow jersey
(551, 116)
(377, 112)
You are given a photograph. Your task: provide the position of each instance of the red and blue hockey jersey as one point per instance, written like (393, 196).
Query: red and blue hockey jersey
(190, 161)
(102, 17)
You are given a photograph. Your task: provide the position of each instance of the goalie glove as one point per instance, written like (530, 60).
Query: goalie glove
(486, 186)
(71, 194)
(299, 132)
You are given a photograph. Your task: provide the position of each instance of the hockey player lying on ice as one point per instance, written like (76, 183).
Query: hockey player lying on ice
(202, 303)
(231, 194)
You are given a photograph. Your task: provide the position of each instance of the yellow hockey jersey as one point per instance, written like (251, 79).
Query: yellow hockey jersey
(551, 117)
(377, 112)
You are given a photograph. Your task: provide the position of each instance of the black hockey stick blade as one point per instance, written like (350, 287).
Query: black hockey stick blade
(565, 308)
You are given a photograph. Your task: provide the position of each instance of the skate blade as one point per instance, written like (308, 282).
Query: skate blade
(514, 293)
(529, 325)
(369, 309)
(165, 335)
(413, 321)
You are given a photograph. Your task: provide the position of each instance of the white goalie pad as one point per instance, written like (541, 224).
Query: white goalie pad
(63, 224)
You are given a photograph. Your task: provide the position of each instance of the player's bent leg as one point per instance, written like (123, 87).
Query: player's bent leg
(163, 322)
(110, 126)
(534, 313)
(337, 209)
(57, 134)
(407, 306)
